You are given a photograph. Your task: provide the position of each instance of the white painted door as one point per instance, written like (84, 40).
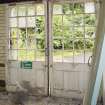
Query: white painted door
(28, 42)
(72, 33)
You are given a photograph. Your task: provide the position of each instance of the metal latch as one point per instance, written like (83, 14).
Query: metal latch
(89, 61)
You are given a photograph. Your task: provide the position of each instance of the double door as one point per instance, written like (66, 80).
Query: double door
(59, 52)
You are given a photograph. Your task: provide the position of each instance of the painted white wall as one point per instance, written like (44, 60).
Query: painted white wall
(2, 40)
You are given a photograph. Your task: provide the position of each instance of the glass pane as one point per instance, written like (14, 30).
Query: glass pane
(22, 44)
(21, 11)
(89, 7)
(31, 43)
(79, 56)
(13, 44)
(79, 44)
(88, 53)
(57, 56)
(40, 26)
(57, 26)
(78, 20)
(89, 44)
(57, 9)
(67, 32)
(22, 33)
(68, 56)
(40, 55)
(31, 55)
(67, 20)
(67, 8)
(40, 9)
(12, 54)
(31, 10)
(13, 22)
(90, 20)
(57, 44)
(13, 33)
(22, 22)
(22, 54)
(90, 32)
(31, 32)
(30, 21)
(68, 44)
(79, 32)
(40, 43)
(13, 12)
(78, 8)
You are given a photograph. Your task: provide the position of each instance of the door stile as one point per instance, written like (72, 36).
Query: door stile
(50, 47)
(47, 52)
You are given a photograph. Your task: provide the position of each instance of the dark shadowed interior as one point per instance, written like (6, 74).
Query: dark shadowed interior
(10, 1)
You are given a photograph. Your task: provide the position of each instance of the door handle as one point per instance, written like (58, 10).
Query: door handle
(89, 61)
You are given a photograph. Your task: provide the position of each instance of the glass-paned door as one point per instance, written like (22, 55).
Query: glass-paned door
(73, 36)
(27, 44)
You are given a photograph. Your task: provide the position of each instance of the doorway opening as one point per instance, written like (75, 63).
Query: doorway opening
(58, 38)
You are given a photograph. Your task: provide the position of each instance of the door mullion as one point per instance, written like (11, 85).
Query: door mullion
(50, 47)
(47, 45)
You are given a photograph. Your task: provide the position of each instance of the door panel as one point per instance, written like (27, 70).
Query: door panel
(36, 77)
(70, 80)
(70, 72)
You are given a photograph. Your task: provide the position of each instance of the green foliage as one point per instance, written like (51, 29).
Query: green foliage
(40, 43)
(22, 36)
(90, 19)
(89, 44)
(67, 27)
(57, 44)
(79, 44)
(40, 25)
(67, 8)
(78, 8)
(68, 44)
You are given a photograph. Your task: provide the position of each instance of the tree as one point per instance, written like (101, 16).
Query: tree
(69, 26)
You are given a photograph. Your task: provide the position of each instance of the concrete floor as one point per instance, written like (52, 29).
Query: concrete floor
(22, 99)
